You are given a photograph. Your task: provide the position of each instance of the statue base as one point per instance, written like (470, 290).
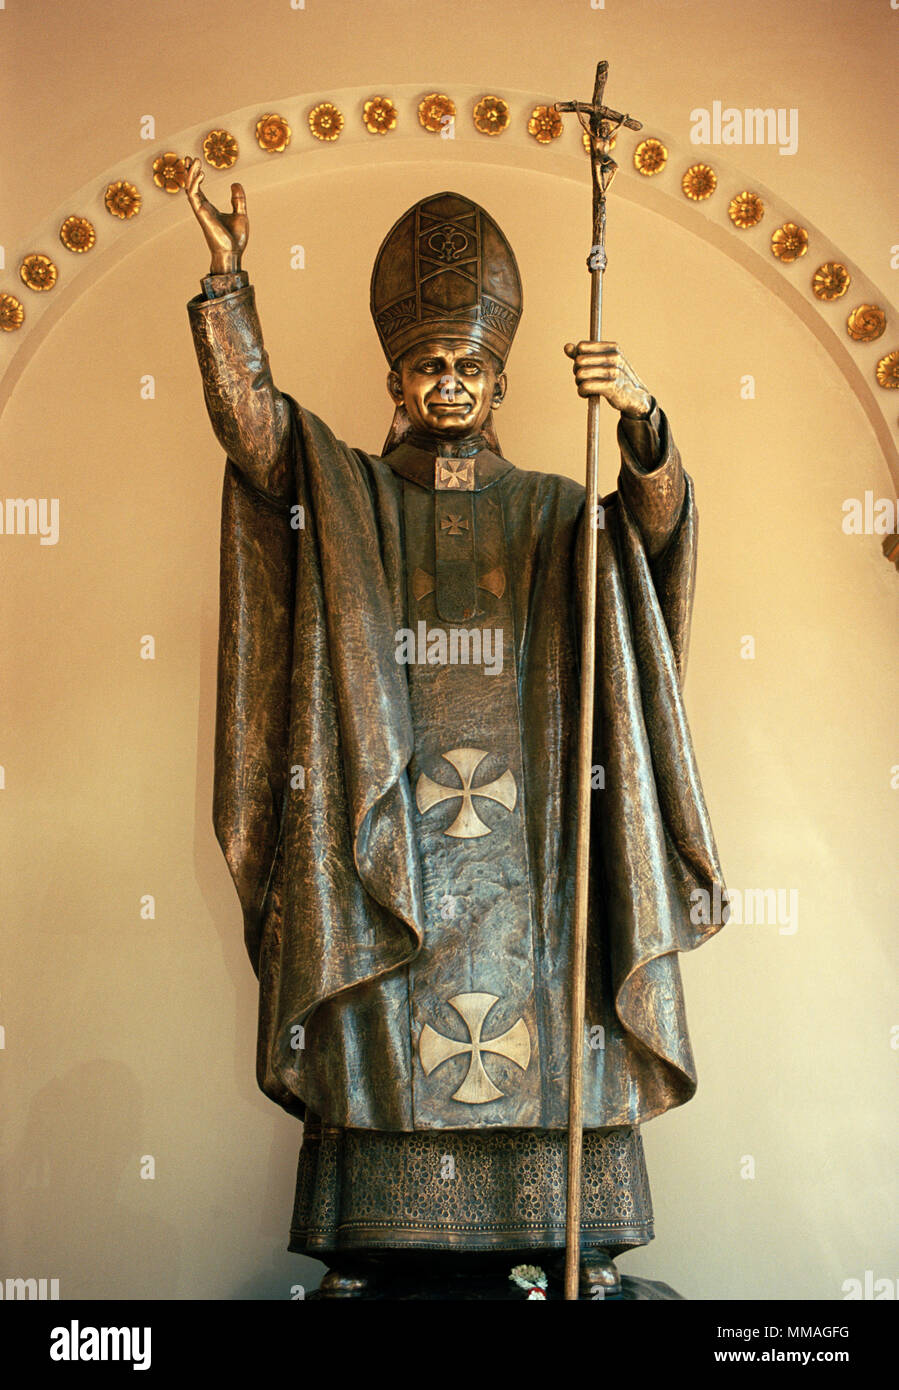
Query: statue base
(490, 1287)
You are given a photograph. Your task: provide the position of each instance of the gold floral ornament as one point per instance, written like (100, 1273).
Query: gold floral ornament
(866, 322)
(746, 210)
(887, 371)
(699, 182)
(122, 199)
(325, 121)
(545, 124)
(491, 116)
(169, 172)
(77, 234)
(789, 242)
(831, 280)
(273, 134)
(379, 115)
(650, 157)
(12, 313)
(220, 149)
(585, 138)
(436, 111)
(38, 272)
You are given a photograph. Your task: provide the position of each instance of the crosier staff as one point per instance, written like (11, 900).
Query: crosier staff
(600, 122)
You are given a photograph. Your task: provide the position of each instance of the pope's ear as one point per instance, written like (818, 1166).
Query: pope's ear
(499, 390)
(395, 387)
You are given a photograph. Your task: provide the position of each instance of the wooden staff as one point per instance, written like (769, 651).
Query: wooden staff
(599, 122)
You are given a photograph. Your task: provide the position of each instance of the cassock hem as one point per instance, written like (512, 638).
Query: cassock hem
(458, 1190)
(386, 1237)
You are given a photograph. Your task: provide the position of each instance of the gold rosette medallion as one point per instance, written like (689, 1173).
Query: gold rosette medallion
(379, 115)
(273, 133)
(866, 323)
(38, 272)
(325, 121)
(220, 149)
(545, 124)
(77, 234)
(122, 200)
(887, 371)
(699, 182)
(436, 111)
(746, 210)
(491, 116)
(831, 280)
(650, 157)
(168, 172)
(12, 313)
(789, 242)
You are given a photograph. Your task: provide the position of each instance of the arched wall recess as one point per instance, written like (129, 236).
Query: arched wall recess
(409, 142)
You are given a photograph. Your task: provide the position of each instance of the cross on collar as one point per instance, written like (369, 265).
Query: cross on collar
(448, 473)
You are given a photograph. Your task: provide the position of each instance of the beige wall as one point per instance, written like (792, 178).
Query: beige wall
(127, 1037)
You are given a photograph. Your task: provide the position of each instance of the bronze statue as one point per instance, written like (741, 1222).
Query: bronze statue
(395, 777)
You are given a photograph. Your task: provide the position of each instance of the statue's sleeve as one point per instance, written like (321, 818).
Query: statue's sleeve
(254, 425)
(251, 418)
(651, 480)
(658, 501)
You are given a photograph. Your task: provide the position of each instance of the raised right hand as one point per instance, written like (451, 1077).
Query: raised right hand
(226, 233)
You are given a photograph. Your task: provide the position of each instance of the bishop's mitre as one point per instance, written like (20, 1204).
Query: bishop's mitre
(445, 269)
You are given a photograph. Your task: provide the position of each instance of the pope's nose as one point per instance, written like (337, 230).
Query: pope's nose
(452, 390)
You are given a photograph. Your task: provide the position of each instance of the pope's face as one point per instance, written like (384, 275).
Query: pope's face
(448, 386)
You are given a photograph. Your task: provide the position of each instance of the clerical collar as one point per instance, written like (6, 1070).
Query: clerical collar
(454, 448)
(447, 473)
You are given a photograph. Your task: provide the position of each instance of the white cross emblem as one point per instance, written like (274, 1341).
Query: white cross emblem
(515, 1044)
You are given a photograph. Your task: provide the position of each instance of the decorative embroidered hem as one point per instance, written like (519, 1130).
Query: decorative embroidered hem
(465, 1190)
